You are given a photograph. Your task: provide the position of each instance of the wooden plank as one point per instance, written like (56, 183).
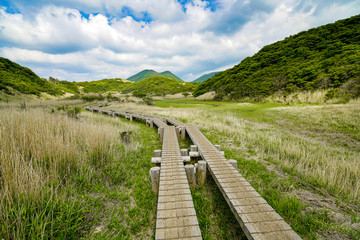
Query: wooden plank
(176, 216)
(255, 216)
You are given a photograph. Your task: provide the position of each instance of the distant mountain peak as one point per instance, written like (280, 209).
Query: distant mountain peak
(152, 73)
(204, 77)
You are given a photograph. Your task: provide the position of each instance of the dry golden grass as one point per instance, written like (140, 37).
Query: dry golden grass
(313, 97)
(335, 168)
(206, 96)
(42, 157)
(32, 140)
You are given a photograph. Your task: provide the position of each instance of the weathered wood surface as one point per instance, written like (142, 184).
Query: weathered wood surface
(255, 216)
(174, 122)
(176, 217)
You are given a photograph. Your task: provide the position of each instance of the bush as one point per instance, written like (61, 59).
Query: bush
(93, 97)
(74, 112)
(148, 101)
(219, 96)
(351, 88)
(139, 94)
(332, 93)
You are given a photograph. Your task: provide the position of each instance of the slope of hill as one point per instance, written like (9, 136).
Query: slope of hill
(205, 77)
(151, 73)
(169, 74)
(320, 58)
(104, 85)
(158, 85)
(23, 80)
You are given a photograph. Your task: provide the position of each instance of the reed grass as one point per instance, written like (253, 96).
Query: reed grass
(314, 148)
(60, 176)
(334, 167)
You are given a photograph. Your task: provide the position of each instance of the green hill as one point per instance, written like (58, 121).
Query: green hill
(151, 73)
(169, 74)
(104, 85)
(320, 58)
(159, 86)
(23, 80)
(205, 77)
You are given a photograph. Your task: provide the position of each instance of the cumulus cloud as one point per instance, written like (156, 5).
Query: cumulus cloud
(87, 40)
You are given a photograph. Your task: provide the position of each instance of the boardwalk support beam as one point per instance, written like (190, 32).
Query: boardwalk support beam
(193, 148)
(186, 159)
(155, 178)
(190, 173)
(201, 172)
(178, 129)
(183, 132)
(156, 160)
(184, 152)
(157, 153)
(234, 163)
(161, 133)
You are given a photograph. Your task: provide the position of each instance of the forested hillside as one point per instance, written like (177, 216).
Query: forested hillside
(23, 80)
(320, 58)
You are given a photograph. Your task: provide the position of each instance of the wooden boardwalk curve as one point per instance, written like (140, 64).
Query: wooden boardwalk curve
(176, 217)
(255, 216)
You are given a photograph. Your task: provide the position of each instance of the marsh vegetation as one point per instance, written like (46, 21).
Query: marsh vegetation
(303, 159)
(69, 178)
(69, 174)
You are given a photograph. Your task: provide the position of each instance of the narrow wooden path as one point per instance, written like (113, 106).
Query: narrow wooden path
(176, 217)
(256, 217)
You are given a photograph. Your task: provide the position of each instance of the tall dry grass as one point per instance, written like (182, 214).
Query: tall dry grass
(334, 168)
(313, 97)
(39, 153)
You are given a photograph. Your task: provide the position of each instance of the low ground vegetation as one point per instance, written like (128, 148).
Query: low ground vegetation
(303, 159)
(74, 177)
(66, 173)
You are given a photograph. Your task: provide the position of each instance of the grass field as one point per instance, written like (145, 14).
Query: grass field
(303, 159)
(69, 178)
(70, 175)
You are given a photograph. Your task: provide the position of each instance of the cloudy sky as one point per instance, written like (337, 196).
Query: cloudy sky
(84, 40)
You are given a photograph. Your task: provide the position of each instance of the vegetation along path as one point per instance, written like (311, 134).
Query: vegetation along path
(176, 217)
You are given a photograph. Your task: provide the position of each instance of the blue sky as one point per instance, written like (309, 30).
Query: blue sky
(84, 40)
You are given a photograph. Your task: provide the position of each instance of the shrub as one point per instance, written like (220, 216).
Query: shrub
(93, 97)
(332, 93)
(139, 94)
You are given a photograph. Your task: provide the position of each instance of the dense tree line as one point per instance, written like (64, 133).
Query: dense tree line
(320, 58)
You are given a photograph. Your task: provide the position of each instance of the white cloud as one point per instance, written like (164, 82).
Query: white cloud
(59, 42)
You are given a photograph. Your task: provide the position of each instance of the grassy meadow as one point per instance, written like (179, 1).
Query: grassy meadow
(66, 176)
(303, 158)
(70, 174)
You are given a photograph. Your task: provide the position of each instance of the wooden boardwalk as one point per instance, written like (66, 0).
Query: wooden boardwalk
(255, 216)
(176, 217)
